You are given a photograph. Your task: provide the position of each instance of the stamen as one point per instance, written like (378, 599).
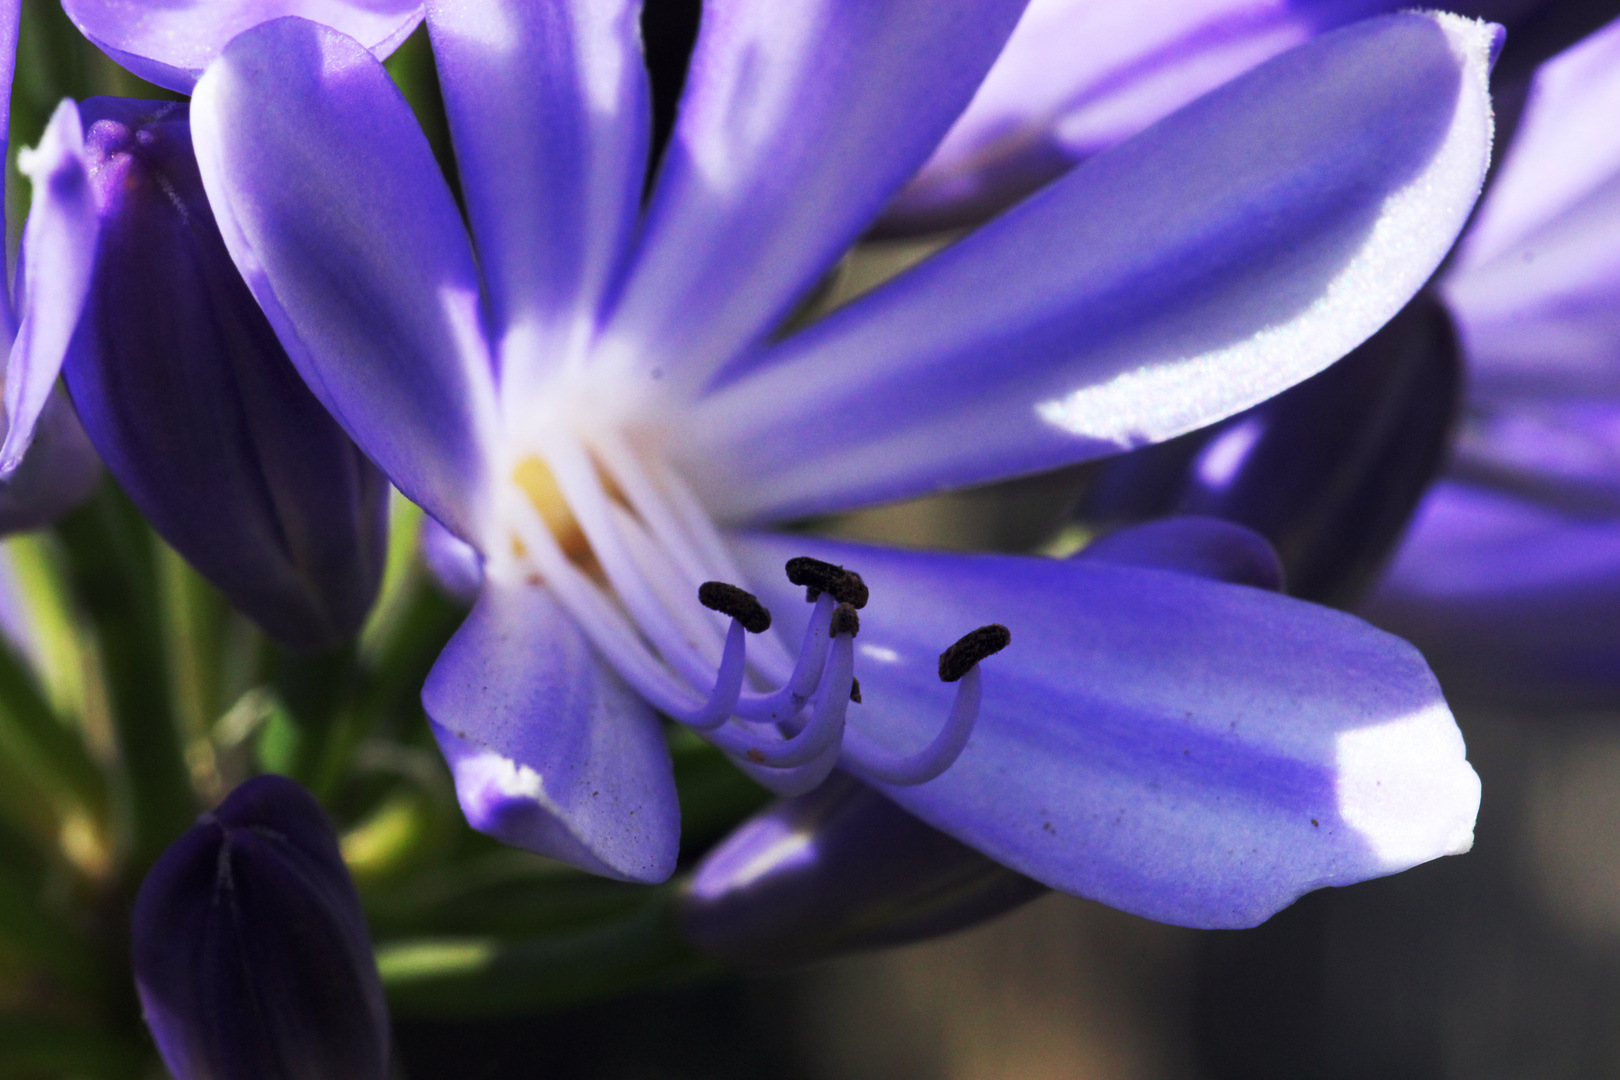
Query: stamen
(740, 604)
(823, 730)
(785, 704)
(871, 762)
(958, 664)
(820, 577)
(972, 647)
(660, 497)
(673, 587)
(602, 622)
(844, 621)
(855, 691)
(582, 486)
(727, 684)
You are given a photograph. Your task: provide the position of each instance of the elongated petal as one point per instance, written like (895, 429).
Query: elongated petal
(548, 104)
(170, 42)
(58, 253)
(333, 209)
(1194, 752)
(798, 123)
(551, 751)
(1536, 278)
(10, 20)
(1078, 76)
(197, 410)
(1228, 252)
(1513, 602)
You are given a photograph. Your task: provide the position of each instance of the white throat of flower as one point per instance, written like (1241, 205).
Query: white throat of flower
(630, 553)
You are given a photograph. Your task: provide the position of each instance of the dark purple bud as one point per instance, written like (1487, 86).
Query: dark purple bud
(252, 958)
(1202, 546)
(196, 409)
(834, 871)
(1329, 471)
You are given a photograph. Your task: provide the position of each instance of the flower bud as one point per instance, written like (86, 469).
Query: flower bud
(251, 954)
(1329, 471)
(1205, 547)
(834, 871)
(197, 410)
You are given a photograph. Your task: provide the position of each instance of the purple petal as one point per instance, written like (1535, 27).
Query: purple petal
(1230, 251)
(1562, 454)
(1079, 76)
(58, 254)
(333, 209)
(797, 124)
(454, 564)
(1512, 602)
(196, 409)
(1194, 752)
(1202, 546)
(10, 18)
(1535, 282)
(59, 471)
(551, 751)
(170, 42)
(548, 105)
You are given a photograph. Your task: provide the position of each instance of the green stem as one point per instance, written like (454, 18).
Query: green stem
(112, 556)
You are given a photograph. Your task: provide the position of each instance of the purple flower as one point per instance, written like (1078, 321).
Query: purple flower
(196, 409)
(588, 393)
(46, 464)
(1510, 577)
(251, 953)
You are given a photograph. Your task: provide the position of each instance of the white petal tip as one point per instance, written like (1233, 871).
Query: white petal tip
(1406, 786)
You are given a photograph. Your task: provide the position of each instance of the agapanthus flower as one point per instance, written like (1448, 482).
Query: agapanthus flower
(588, 392)
(1510, 576)
(46, 464)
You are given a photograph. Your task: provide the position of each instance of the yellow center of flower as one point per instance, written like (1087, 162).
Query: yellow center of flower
(536, 481)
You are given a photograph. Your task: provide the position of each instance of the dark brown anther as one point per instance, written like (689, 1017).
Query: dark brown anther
(738, 603)
(974, 646)
(819, 577)
(855, 691)
(844, 621)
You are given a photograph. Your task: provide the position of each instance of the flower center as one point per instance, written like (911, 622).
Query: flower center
(536, 481)
(624, 546)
